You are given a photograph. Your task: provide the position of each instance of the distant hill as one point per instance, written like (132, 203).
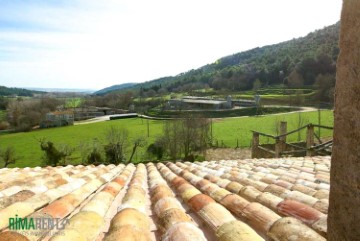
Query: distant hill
(9, 91)
(114, 88)
(304, 58)
(63, 90)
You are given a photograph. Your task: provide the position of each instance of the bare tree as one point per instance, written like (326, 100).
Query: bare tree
(325, 85)
(185, 136)
(138, 142)
(115, 149)
(295, 79)
(25, 114)
(300, 122)
(171, 139)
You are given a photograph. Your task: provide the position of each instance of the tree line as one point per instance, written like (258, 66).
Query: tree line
(24, 114)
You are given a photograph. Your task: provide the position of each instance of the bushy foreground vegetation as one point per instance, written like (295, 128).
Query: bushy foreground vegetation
(228, 132)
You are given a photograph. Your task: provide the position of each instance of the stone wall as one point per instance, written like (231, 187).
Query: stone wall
(344, 209)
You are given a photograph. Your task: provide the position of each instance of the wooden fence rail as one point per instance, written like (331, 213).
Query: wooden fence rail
(280, 147)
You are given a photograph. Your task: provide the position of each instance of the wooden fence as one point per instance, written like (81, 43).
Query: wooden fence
(283, 148)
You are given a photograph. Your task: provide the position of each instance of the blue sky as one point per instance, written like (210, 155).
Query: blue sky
(91, 44)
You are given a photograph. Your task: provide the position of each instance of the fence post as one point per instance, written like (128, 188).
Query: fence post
(309, 139)
(255, 144)
(278, 147)
(283, 130)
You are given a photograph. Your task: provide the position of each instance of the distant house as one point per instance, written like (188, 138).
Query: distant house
(58, 118)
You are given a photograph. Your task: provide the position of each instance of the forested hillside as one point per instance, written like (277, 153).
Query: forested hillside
(308, 61)
(113, 88)
(6, 91)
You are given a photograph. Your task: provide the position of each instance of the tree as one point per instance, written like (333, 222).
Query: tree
(325, 85)
(3, 103)
(52, 155)
(7, 156)
(115, 148)
(23, 115)
(156, 149)
(256, 85)
(138, 142)
(171, 140)
(181, 138)
(295, 79)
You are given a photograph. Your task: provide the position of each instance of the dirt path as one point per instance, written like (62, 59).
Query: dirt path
(93, 120)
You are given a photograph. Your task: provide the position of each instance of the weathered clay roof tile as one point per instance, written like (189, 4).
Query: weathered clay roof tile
(252, 199)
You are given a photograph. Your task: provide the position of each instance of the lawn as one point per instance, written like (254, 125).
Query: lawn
(226, 130)
(231, 130)
(28, 148)
(73, 102)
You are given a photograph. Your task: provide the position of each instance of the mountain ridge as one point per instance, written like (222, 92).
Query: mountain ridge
(113, 88)
(9, 91)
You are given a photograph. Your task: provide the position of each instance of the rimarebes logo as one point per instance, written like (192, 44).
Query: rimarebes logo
(37, 225)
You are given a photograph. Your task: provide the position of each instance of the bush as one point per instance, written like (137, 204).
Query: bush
(7, 156)
(155, 150)
(115, 148)
(4, 125)
(54, 156)
(113, 153)
(94, 157)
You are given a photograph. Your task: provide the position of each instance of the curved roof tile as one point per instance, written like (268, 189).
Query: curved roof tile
(252, 199)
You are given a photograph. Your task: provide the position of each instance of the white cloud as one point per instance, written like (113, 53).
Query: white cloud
(97, 43)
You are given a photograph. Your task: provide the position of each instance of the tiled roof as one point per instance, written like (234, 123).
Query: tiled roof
(254, 199)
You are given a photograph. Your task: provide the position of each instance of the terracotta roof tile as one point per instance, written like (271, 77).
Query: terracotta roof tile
(252, 199)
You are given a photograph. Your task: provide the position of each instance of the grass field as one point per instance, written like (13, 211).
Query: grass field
(227, 130)
(28, 148)
(73, 102)
(230, 130)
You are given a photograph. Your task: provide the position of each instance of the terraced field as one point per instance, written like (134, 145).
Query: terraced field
(254, 199)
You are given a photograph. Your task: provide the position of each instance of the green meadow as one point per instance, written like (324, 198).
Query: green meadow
(227, 131)
(27, 144)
